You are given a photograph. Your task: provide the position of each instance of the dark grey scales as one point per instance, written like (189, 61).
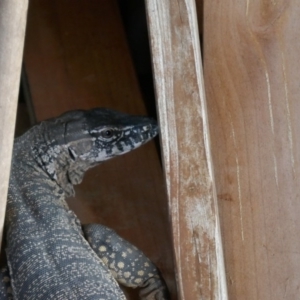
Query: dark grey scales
(50, 255)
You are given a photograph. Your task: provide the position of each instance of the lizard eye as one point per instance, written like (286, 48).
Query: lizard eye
(108, 133)
(105, 134)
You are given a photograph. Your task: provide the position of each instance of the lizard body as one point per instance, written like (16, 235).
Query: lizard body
(49, 254)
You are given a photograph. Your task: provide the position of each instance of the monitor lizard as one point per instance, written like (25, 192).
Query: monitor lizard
(50, 254)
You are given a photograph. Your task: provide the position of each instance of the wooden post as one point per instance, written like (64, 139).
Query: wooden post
(186, 149)
(252, 75)
(12, 32)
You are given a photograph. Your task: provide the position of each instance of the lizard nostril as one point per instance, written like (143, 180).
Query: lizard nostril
(147, 127)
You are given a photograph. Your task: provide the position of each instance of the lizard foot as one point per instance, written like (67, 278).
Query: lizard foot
(128, 265)
(154, 289)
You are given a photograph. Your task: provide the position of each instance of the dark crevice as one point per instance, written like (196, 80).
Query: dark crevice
(133, 14)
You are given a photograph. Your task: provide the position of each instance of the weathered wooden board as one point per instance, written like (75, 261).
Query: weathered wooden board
(12, 32)
(76, 57)
(186, 149)
(251, 68)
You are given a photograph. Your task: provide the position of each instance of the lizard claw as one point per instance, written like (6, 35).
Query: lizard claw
(154, 289)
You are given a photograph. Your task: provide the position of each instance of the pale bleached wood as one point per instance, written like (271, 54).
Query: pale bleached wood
(251, 68)
(12, 32)
(186, 149)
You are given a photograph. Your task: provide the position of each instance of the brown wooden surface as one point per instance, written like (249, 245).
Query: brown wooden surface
(76, 57)
(12, 32)
(186, 149)
(251, 68)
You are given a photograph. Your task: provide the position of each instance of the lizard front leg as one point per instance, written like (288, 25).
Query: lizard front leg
(129, 265)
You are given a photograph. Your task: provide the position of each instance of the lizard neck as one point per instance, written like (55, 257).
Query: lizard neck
(52, 158)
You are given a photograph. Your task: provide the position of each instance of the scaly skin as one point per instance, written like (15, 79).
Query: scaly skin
(49, 254)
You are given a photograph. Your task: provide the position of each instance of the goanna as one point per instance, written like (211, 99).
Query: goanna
(50, 255)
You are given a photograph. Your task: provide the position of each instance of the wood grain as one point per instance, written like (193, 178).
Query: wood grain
(186, 149)
(76, 56)
(12, 32)
(251, 68)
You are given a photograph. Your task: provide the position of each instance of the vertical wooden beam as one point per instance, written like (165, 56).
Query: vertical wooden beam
(12, 32)
(251, 68)
(186, 149)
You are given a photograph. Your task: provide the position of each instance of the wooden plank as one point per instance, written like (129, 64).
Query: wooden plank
(251, 51)
(12, 32)
(186, 149)
(76, 56)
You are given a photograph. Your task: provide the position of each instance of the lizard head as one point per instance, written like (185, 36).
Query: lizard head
(90, 137)
(99, 134)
